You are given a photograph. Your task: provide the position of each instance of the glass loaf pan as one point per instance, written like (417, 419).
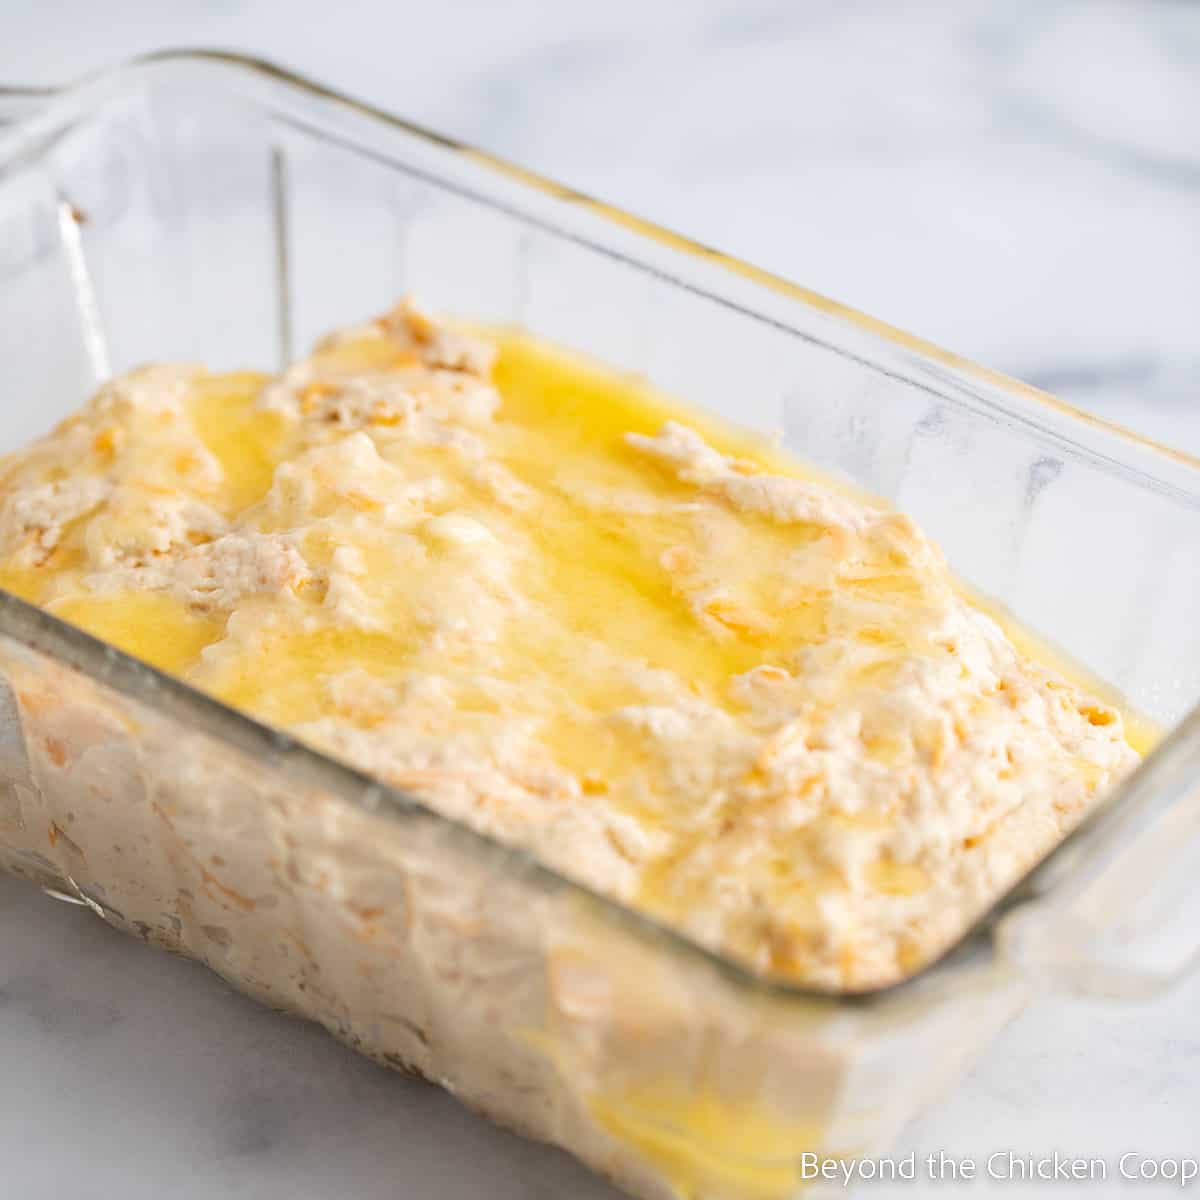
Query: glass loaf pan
(205, 207)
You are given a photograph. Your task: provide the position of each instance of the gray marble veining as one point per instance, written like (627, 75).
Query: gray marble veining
(1017, 179)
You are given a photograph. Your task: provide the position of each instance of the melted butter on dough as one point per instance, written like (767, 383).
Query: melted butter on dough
(670, 661)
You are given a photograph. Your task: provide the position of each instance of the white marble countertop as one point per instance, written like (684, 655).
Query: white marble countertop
(1017, 179)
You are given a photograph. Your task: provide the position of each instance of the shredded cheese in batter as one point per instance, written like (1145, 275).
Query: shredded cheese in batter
(672, 664)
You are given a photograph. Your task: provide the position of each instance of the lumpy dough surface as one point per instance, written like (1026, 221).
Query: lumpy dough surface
(581, 619)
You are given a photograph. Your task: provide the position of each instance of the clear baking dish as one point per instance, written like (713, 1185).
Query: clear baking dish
(202, 206)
